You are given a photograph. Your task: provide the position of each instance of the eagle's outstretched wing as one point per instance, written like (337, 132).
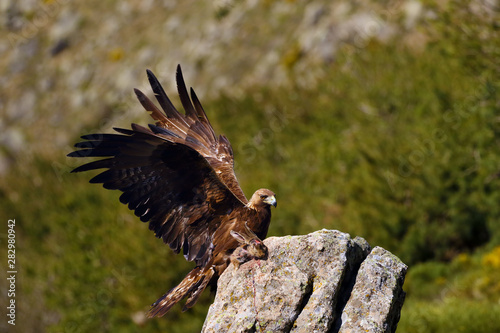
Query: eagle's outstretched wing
(192, 129)
(176, 175)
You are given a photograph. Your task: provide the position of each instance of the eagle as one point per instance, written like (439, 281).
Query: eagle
(178, 176)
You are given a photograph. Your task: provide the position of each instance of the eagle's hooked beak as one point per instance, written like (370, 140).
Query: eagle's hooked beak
(271, 200)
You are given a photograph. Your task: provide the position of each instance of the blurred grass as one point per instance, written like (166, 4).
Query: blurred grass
(395, 145)
(79, 250)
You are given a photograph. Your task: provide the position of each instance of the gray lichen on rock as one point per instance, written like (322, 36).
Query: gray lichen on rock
(377, 296)
(305, 286)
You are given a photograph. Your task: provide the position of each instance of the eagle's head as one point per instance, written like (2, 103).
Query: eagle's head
(263, 198)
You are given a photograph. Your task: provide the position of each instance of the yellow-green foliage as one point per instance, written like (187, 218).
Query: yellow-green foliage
(395, 145)
(460, 296)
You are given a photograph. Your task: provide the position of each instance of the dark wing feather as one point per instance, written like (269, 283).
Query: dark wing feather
(192, 129)
(202, 116)
(164, 101)
(183, 94)
(167, 184)
(160, 94)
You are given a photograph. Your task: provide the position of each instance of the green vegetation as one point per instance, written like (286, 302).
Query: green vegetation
(397, 145)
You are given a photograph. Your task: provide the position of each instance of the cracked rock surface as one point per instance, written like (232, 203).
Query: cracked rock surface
(321, 282)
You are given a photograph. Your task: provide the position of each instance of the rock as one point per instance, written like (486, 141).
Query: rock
(377, 297)
(312, 283)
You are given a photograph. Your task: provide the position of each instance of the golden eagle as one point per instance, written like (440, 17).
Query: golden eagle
(178, 176)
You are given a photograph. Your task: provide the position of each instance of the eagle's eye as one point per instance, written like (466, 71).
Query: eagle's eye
(263, 196)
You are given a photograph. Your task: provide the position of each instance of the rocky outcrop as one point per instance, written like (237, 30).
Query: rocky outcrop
(321, 282)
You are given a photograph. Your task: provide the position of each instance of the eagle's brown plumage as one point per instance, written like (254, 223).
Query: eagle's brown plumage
(178, 176)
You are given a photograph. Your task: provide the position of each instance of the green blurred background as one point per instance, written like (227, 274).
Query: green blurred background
(380, 119)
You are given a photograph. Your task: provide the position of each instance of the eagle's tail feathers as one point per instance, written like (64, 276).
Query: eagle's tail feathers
(192, 285)
(196, 292)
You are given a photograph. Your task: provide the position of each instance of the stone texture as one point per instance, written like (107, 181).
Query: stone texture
(305, 284)
(377, 296)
